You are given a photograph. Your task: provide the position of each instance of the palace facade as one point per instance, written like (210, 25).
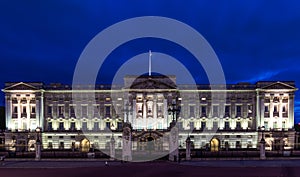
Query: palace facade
(232, 117)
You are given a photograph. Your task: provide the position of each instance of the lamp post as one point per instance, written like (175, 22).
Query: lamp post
(174, 111)
(262, 144)
(38, 144)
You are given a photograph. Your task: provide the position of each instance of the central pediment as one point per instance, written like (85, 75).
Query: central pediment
(151, 82)
(278, 85)
(23, 86)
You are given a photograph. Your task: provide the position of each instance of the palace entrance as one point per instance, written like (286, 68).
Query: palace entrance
(214, 145)
(85, 145)
(149, 141)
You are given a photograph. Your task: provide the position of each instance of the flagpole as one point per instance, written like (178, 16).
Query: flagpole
(149, 62)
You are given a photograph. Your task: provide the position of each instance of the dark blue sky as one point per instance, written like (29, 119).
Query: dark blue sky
(254, 40)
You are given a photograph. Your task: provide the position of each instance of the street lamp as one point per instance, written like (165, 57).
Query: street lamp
(38, 144)
(262, 144)
(262, 133)
(174, 111)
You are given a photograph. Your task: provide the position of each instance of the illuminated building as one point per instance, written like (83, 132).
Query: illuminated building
(234, 122)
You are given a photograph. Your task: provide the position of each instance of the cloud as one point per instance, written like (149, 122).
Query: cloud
(265, 75)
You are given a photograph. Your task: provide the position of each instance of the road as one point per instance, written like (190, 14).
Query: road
(224, 168)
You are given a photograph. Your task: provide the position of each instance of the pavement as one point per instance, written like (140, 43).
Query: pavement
(76, 163)
(95, 168)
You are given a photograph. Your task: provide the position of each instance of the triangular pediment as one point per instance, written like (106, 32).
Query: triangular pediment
(21, 86)
(278, 85)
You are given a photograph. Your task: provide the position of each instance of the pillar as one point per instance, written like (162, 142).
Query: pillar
(41, 116)
(173, 144)
(127, 144)
(112, 148)
(262, 149)
(38, 149)
(188, 148)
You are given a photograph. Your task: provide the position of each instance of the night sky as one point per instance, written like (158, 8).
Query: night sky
(254, 40)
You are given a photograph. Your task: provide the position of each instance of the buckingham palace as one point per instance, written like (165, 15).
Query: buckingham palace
(143, 111)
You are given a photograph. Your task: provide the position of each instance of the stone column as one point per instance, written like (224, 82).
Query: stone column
(8, 112)
(134, 122)
(155, 109)
(19, 114)
(126, 149)
(188, 148)
(291, 111)
(144, 114)
(38, 149)
(173, 144)
(262, 149)
(165, 113)
(258, 123)
(112, 148)
(28, 114)
(41, 117)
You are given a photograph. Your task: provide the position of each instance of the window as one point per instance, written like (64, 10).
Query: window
(50, 110)
(61, 145)
(238, 125)
(119, 125)
(227, 111)
(215, 111)
(84, 111)
(49, 126)
(238, 110)
(61, 126)
(215, 125)
(266, 125)
(275, 108)
(192, 126)
(203, 111)
(72, 111)
(72, 127)
(238, 144)
(84, 125)
(192, 111)
(96, 111)
(61, 110)
(266, 108)
(275, 125)
(226, 125)
(107, 111)
(203, 125)
(108, 125)
(159, 110)
(250, 109)
(24, 110)
(50, 146)
(15, 109)
(283, 124)
(284, 108)
(33, 109)
(149, 107)
(276, 113)
(96, 126)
